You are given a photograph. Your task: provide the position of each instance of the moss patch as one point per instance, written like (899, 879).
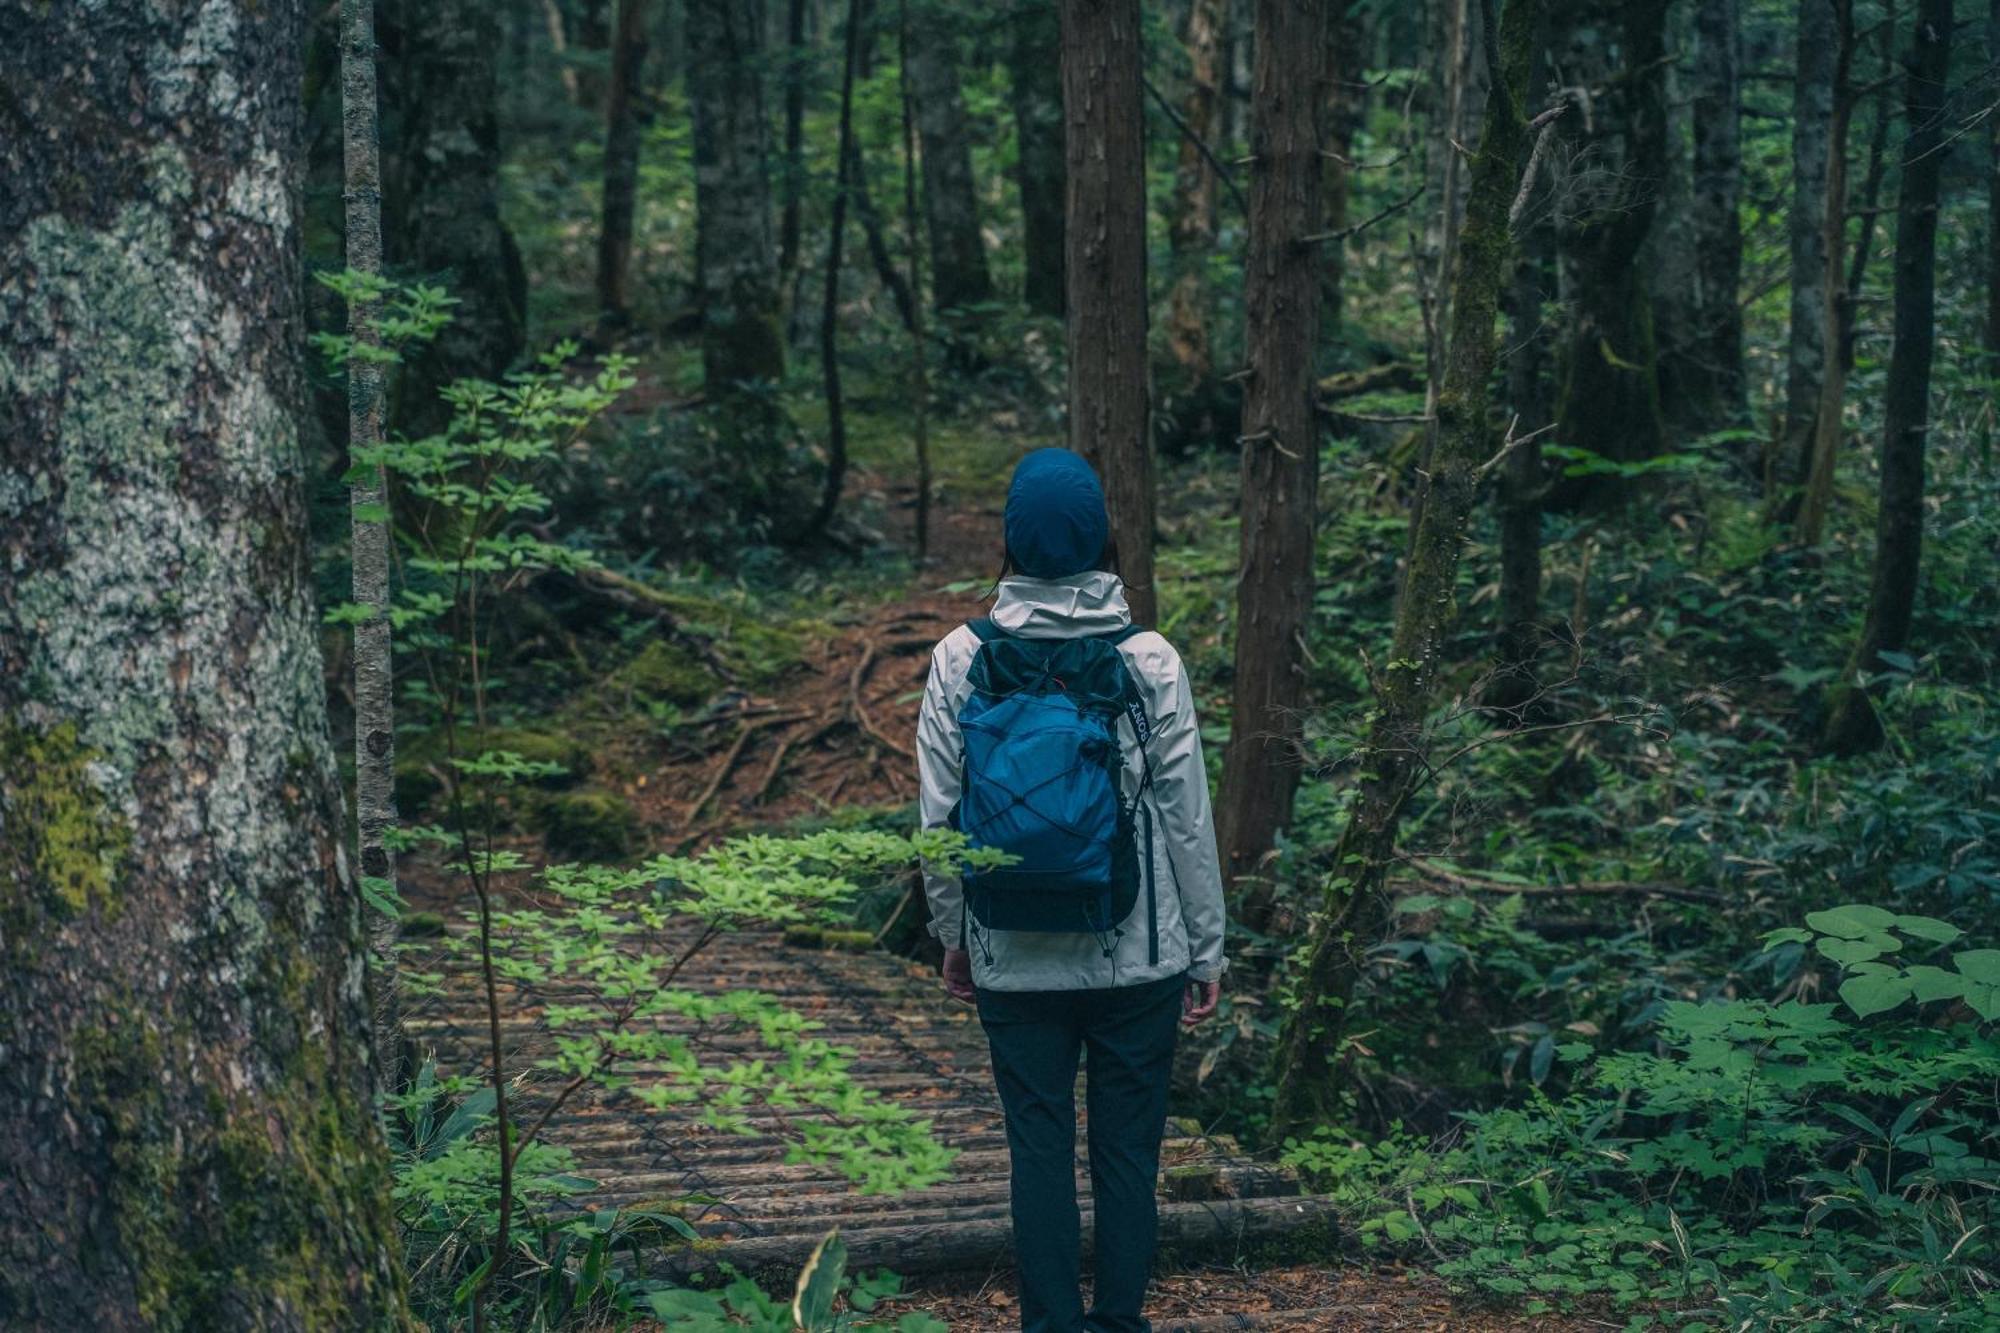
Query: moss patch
(69, 845)
(586, 825)
(664, 671)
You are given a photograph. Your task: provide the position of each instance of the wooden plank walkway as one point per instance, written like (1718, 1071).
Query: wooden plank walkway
(910, 1043)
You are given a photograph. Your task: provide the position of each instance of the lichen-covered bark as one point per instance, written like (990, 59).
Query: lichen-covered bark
(1034, 81)
(1191, 228)
(1609, 399)
(1356, 906)
(1280, 440)
(1899, 523)
(184, 1098)
(1104, 148)
(441, 196)
(374, 674)
(959, 275)
(735, 263)
(1805, 344)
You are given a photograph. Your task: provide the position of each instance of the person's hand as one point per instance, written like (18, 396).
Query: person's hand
(958, 975)
(1197, 1001)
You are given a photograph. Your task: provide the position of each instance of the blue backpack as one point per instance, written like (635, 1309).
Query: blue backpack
(1041, 781)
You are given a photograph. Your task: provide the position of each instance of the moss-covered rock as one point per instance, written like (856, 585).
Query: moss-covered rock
(421, 762)
(664, 671)
(585, 825)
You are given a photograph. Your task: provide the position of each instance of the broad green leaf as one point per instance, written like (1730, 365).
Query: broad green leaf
(1850, 952)
(1928, 928)
(1851, 921)
(1934, 983)
(1982, 965)
(1876, 994)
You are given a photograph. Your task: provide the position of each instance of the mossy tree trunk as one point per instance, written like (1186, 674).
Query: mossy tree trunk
(1191, 227)
(441, 195)
(1805, 344)
(1104, 146)
(368, 494)
(185, 1099)
(1852, 724)
(1356, 905)
(1280, 442)
(1609, 397)
(736, 272)
(1034, 80)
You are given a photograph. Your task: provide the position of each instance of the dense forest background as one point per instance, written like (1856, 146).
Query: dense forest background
(1559, 435)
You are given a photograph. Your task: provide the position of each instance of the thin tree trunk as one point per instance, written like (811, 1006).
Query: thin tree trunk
(1805, 351)
(621, 165)
(829, 317)
(1356, 906)
(919, 370)
(1530, 399)
(1192, 229)
(374, 675)
(1852, 724)
(186, 1096)
(1280, 442)
(1817, 495)
(959, 275)
(795, 130)
(1104, 144)
(879, 255)
(1034, 76)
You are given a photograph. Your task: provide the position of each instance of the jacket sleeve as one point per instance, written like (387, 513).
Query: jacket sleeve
(940, 755)
(1180, 788)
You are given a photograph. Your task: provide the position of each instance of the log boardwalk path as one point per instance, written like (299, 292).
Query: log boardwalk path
(911, 1043)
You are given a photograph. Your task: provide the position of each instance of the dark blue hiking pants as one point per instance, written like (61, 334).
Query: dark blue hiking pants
(1036, 1037)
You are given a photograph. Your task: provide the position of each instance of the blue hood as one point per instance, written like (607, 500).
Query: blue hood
(1056, 525)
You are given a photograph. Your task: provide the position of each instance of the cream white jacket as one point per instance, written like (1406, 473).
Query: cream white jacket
(1181, 892)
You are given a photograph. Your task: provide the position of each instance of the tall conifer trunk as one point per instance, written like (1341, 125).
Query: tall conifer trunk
(1280, 439)
(1104, 138)
(185, 1098)
(959, 274)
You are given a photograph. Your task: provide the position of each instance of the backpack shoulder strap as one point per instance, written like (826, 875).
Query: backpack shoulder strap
(1119, 636)
(985, 629)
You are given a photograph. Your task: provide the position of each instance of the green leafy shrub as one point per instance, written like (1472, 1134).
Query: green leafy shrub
(1775, 1164)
